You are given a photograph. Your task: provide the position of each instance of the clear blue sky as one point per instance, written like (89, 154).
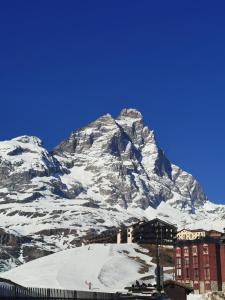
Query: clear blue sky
(64, 63)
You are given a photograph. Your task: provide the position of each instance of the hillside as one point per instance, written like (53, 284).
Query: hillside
(107, 267)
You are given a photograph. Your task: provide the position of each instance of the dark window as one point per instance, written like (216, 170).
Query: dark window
(187, 272)
(186, 261)
(195, 273)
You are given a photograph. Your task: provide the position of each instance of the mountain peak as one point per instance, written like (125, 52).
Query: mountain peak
(130, 113)
(26, 139)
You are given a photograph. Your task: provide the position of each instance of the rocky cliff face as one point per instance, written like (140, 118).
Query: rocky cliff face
(124, 165)
(109, 172)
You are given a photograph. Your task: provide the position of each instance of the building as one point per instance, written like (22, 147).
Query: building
(187, 234)
(155, 231)
(201, 264)
(107, 236)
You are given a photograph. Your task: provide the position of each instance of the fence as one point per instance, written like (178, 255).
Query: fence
(9, 292)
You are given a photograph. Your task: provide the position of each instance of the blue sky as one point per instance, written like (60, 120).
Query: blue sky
(64, 63)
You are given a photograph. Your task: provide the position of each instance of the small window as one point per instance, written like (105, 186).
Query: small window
(194, 250)
(206, 273)
(186, 261)
(186, 251)
(178, 272)
(195, 261)
(178, 252)
(187, 272)
(195, 273)
(178, 261)
(205, 249)
(205, 260)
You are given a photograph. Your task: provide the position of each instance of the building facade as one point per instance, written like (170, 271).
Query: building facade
(201, 264)
(148, 232)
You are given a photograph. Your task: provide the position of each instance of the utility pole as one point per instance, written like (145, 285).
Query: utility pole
(158, 267)
(158, 275)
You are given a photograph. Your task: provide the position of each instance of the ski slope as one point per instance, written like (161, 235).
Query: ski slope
(108, 267)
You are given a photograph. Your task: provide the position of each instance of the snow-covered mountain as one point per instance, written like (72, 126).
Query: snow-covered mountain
(107, 173)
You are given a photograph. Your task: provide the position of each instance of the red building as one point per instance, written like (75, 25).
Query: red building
(201, 264)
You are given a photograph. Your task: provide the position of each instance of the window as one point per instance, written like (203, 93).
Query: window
(195, 261)
(194, 250)
(205, 260)
(178, 252)
(186, 261)
(206, 273)
(186, 252)
(178, 272)
(195, 273)
(205, 249)
(178, 262)
(187, 272)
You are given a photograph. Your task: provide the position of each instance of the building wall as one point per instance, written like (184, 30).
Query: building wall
(222, 259)
(198, 264)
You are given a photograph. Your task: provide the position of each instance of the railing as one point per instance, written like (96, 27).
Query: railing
(8, 292)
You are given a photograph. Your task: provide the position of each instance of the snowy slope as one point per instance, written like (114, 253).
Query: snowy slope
(108, 268)
(195, 297)
(110, 172)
